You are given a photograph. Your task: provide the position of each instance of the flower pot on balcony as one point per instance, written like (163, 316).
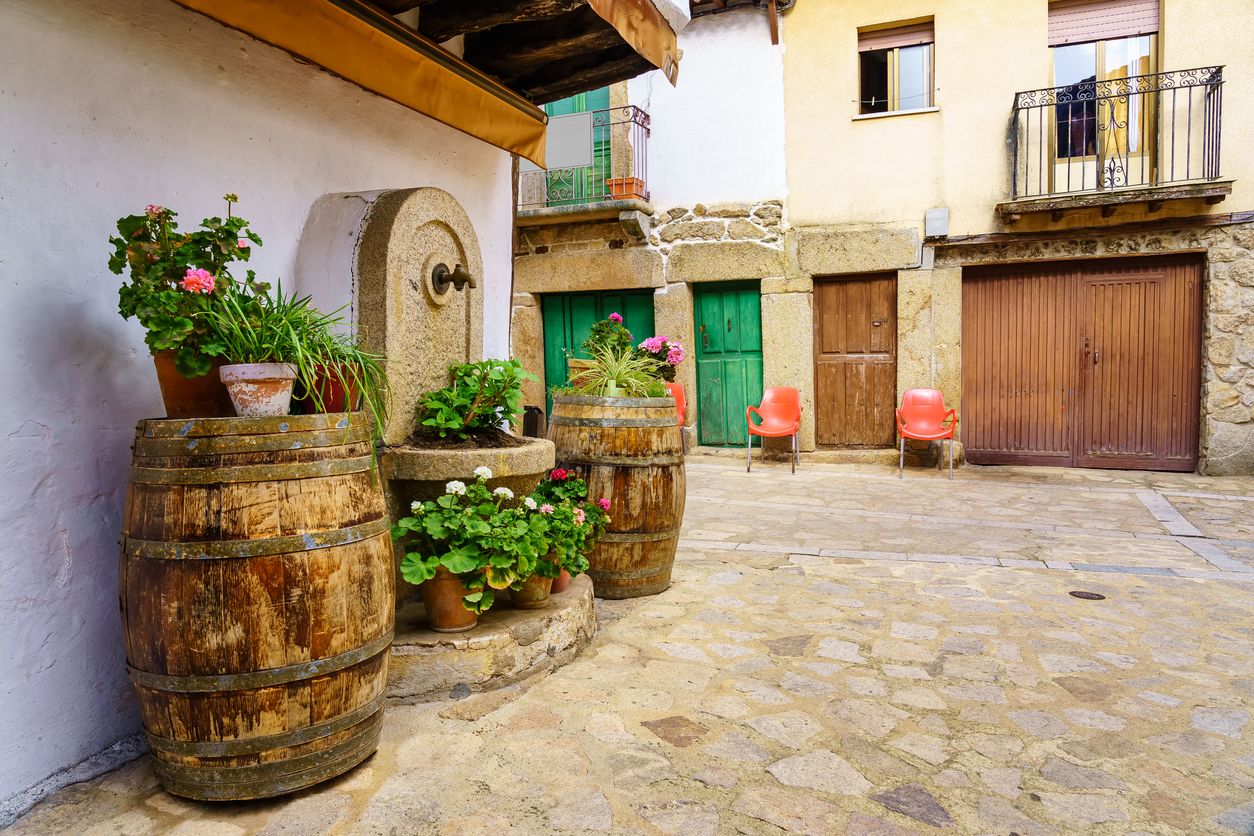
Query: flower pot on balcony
(626, 188)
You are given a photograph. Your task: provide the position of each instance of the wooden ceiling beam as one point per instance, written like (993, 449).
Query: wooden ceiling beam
(444, 19)
(581, 73)
(520, 49)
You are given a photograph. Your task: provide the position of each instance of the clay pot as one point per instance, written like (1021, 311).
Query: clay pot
(561, 583)
(260, 389)
(533, 594)
(442, 598)
(335, 398)
(191, 397)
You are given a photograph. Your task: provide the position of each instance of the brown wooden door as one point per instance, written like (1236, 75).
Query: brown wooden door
(1090, 364)
(855, 356)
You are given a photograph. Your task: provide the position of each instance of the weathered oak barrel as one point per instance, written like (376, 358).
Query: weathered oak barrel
(629, 450)
(257, 600)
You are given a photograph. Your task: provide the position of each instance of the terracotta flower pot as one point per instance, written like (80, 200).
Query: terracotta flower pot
(442, 598)
(191, 397)
(561, 583)
(534, 594)
(260, 389)
(335, 396)
(623, 188)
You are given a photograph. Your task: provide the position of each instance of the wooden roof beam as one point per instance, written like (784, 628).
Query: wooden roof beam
(444, 19)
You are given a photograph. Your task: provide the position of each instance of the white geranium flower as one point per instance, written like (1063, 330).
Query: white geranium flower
(530, 503)
(456, 487)
(415, 507)
(483, 472)
(504, 492)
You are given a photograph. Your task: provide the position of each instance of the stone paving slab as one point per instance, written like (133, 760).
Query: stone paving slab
(772, 691)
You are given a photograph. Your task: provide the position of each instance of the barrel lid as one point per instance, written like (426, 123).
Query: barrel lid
(201, 427)
(593, 400)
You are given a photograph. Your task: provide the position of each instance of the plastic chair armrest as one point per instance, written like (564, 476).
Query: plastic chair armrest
(754, 411)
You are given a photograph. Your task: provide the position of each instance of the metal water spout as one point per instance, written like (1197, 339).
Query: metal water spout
(459, 278)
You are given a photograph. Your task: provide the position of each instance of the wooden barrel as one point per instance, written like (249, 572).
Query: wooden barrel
(257, 600)
(629, 451)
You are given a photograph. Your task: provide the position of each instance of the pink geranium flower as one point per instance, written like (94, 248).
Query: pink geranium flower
(579, 516)
(152, 210)
(675, 355)
(604, 503)
(198, 280)
(616, 318)
(244, 243)
(546, 508)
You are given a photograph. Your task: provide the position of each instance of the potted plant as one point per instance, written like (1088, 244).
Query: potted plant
(465, 546)
(607, 333)
(615, 426)
(666, 353)
(575, 523)
(462, 427)
(173, 278)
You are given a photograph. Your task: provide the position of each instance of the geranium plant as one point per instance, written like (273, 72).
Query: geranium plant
(574, 521)
(481, 536)
(608, 334)
(666, 353)
(480, 398)
(174, 277)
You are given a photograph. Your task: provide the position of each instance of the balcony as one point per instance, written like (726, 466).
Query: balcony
(1145, 139)
(616, 181)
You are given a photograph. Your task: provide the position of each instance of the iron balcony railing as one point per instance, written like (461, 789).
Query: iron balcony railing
(1138, 131)
(619, 170)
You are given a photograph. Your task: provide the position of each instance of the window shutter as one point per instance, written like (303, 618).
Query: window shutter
(898, 36)
(1078, 21)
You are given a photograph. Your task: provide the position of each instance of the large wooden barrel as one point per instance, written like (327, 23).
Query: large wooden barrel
(629, 450)
(257, 600)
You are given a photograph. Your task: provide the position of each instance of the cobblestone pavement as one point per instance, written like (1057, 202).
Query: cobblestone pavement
(843, 652)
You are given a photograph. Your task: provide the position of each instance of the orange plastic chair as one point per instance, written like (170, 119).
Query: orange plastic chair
(922, 416)
(681, 406)
(780, 416)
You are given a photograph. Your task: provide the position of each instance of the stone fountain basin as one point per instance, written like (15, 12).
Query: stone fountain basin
(420, 473)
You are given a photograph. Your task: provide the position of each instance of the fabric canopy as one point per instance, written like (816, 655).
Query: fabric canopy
(372, 49)
(645, 29)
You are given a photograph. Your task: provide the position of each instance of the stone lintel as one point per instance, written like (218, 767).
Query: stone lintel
(836, 250)
(604, 269)
(723, 261)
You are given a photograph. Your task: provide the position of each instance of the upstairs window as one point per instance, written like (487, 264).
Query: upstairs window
(895, 68)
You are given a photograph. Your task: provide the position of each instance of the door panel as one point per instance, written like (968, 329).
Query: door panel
(729, 360)
(1090, 364)
(568, 317)
(855, 351)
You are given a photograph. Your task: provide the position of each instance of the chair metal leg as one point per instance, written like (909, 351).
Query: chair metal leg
(796, 454)
(749, 452)
(901, 466)
(951, 459)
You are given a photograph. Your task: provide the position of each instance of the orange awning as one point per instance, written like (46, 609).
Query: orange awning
(374, 50)
(643, 27)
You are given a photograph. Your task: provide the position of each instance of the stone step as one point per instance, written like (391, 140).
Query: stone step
(505, 647)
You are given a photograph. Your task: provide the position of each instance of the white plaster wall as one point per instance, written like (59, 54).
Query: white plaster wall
(105, 106)
(719, 135)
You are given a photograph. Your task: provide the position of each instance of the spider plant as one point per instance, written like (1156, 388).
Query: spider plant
(615, 373)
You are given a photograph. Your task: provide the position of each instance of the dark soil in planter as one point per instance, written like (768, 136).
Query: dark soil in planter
(480, 441)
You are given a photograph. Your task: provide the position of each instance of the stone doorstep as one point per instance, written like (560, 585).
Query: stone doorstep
(507, 646)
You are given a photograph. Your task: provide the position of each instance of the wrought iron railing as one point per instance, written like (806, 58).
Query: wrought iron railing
(619, 170)
(1143, 130)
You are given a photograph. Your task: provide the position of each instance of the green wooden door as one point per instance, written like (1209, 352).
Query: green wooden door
(729, 360)
(577, 186)
(568, 317)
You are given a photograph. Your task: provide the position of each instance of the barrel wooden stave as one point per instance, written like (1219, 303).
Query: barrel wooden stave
(257, 613)
(630, 451)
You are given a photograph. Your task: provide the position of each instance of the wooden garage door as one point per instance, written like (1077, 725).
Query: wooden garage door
(1089, 364)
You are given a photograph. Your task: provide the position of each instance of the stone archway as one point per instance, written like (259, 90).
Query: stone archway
(379, 249)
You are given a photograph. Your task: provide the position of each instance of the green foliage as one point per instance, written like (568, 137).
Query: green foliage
(608, 334)
(614, 373)
(574, 523)
(157, 257)
(476, 534)
(481, 397)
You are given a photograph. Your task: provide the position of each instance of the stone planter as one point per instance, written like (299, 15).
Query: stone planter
(420, 473)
